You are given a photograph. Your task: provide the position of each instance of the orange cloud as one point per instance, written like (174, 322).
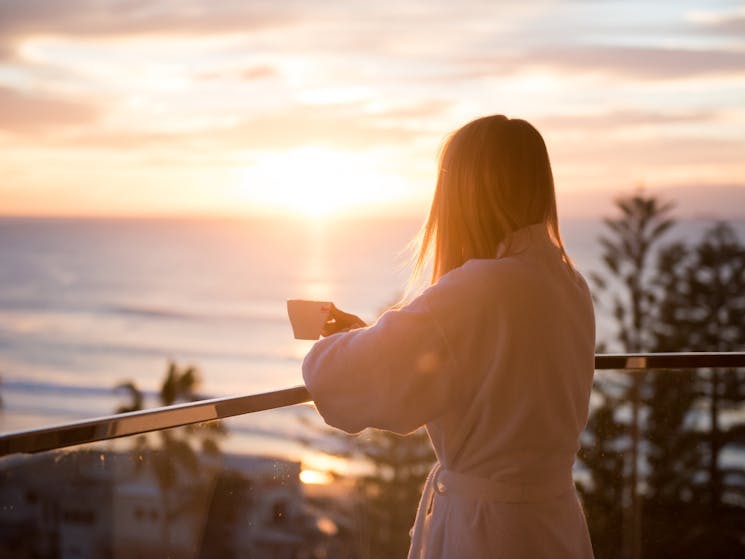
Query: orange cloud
(250, 73)
(22, 113)
(345, 126)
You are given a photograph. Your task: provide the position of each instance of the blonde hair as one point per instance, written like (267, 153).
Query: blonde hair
(494, 178)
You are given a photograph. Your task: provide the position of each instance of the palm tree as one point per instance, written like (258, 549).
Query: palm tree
(136, 397)
(175, 455)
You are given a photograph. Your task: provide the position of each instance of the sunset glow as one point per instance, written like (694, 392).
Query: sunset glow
(317, 182)
(314, 477)
(315, 109)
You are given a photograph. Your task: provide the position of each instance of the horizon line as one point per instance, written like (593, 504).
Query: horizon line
(300, 218)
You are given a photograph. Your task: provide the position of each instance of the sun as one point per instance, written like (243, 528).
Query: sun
(318, 182)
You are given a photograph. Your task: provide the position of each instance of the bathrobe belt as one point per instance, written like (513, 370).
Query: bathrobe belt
(442, 482)
(446, 482)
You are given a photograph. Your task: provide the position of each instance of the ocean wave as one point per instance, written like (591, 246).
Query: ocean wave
(193, 355)
(8, 386)
(41, 387)
(165, 313)
(39, 306)
(150, 312)
(57, 351)
(52, 388)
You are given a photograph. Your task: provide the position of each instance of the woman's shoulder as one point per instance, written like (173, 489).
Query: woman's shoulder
(484, 277)
(473, 281)
(480, 271)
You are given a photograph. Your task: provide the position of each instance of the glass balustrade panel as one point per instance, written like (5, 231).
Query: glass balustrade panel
(280, 483)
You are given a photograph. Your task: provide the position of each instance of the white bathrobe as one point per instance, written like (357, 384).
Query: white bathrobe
(496, 359)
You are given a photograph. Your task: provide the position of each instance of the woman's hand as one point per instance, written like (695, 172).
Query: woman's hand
(340, 321)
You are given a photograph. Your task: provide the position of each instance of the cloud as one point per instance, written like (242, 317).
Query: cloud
(335, 126)
(249, 73)
(340, 126)
(643, 62)
(672, 152)
(734, 25)
(258, 72)
(722, 24)
(612, 120)
(131, 17)
(102, 18)
(22, 113)
(408, 30)
(425, 109)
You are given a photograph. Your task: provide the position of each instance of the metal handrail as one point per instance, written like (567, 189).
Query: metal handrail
(137, 422)
(156, 419)
(645, 361)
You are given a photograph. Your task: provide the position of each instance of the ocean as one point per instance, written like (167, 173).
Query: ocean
(86, 304)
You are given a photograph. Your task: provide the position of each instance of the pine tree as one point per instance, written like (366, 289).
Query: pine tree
(702, 310)
(672, 450)
(629, 245)
(669, 298)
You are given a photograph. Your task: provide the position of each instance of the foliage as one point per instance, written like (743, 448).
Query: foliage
(628, 247)
(702, 310)
(602, 492)
(386, 495)
(667, 426)
(631, 240)
(175, 456)
(390, 493)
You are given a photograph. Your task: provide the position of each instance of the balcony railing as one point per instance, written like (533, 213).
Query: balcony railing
(136, 498)
(156, 419)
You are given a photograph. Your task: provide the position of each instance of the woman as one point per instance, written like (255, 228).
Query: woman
(496, 357)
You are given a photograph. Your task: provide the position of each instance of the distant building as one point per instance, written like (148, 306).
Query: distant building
(93, 504)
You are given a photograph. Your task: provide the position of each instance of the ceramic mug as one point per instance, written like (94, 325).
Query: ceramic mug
(307, 317)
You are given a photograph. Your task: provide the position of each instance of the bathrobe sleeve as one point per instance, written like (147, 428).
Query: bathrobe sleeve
(397, 374)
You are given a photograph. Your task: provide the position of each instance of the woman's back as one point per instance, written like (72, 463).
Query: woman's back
(503, 484)
(523, 330)
(497, 360)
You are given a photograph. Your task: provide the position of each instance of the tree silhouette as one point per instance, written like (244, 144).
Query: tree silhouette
(668, 298)
(174, 456)
(629, 243)
(390, 492)
(702, 310)
(136, 397)
(673, 452)
(628, 247)
(386, 495)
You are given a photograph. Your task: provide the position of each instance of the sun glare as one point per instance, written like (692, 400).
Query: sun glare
(318, 182)
(314, 477)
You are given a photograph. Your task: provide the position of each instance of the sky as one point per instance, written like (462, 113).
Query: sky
(242, 107)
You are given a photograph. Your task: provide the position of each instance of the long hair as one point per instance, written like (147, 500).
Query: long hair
(494, 178)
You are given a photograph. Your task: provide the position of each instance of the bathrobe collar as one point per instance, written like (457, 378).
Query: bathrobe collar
(524, 238)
